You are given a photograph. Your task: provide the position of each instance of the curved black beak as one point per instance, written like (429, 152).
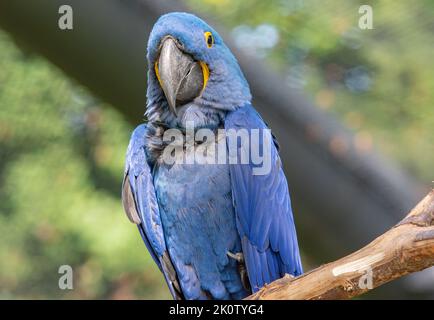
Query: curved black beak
(180, 76)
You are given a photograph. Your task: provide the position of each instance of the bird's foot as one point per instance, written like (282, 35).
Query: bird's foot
(289, 276)
(239, 257)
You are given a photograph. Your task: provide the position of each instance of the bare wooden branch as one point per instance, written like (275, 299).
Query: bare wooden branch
(407, 247)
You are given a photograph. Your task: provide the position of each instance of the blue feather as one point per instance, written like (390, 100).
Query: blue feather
(138, 182)
(263, 209)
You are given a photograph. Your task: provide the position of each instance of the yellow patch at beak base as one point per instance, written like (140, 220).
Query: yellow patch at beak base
(157, 73)
(205, 72)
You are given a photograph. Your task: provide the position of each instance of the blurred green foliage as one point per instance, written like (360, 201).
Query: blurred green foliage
(61, 167)
(379, 82)
(62, 151)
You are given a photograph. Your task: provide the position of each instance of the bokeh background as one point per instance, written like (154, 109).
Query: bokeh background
(67, 108)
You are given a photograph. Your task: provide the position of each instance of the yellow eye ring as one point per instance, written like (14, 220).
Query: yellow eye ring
(209, 39)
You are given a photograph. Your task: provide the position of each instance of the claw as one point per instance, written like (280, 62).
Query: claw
(289, 276)
(239, 257)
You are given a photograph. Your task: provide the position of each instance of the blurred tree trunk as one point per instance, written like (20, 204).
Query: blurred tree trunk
(106, 52)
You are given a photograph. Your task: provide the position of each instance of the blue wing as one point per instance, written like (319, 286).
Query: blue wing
(263, 206)
(141, 206)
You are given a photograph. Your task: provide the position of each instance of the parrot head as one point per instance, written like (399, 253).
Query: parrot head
(192, 76)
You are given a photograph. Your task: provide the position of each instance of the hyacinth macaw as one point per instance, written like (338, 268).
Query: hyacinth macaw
(215, 231)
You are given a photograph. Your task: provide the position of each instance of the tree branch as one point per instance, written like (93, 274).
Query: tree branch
(407, 247)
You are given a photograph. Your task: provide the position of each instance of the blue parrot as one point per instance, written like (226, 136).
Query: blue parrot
(216, 231)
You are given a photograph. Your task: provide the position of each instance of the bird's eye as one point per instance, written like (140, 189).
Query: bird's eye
(209, 39)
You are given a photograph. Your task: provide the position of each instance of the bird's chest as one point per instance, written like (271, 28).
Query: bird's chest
(199, 224)
(189, 175)
(195, 199)
(196, 193)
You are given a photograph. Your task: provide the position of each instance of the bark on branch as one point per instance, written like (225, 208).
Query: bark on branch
(407, 247)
